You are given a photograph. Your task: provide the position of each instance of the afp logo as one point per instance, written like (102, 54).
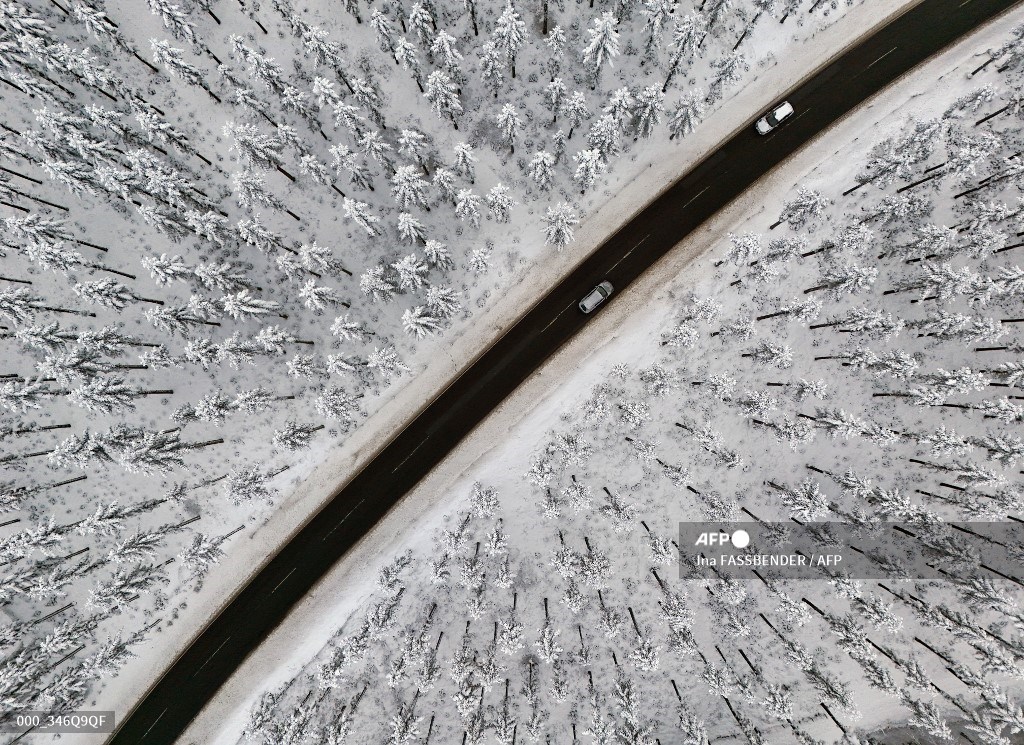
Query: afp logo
(738, 538)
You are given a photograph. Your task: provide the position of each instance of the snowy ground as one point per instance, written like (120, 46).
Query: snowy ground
(629, 331)
(491, 295)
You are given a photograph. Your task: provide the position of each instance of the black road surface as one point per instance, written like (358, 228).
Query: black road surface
(195, 676)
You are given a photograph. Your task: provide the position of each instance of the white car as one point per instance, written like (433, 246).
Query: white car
(774, 118)
(596, 296)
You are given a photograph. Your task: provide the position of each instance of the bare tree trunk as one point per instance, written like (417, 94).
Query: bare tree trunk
(198, 445)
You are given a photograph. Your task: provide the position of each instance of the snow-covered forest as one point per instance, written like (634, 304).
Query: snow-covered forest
(232, 230)
(854, 357)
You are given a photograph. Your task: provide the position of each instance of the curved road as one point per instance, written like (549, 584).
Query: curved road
(195, 676)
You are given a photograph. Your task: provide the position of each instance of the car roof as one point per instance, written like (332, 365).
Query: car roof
(593, 298)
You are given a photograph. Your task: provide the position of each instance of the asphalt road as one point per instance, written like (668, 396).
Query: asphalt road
(195, 676)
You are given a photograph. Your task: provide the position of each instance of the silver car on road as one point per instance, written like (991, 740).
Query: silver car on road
(596, 296)
(774, 118)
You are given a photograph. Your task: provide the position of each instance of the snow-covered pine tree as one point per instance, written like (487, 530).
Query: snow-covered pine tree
(500, 202)
(602, 47)
(509, 125)
(295, 436)
(559, 222)
(419, 323)
(509, 35)
(443, 96)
